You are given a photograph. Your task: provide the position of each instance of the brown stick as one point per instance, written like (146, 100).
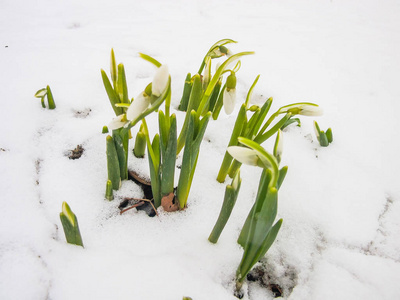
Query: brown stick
(138, 204)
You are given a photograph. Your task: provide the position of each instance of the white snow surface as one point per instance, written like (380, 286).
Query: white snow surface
(340, 204)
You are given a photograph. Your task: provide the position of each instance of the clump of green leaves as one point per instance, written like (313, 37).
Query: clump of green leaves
(46, 93)
(324, 138)
(250, 124)
(259, 230)
(129, 113)
(70, 225)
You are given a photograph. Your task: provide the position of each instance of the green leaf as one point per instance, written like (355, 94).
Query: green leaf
(231, 194)
(262, 137)
(113, 163)
(194, 100)
(122, 88)
(140, 145)
(113, 69)
(240, 124)
(70, 225)
(109, 191)
(186, 93)
(329, 135)
(41, 93)
(50, 99)
(168, 154)
(150, 59)
(121, 140)
(112, 96)
(154, 165)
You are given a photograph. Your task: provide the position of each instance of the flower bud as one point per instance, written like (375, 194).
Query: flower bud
(231, 81)
(160, 81)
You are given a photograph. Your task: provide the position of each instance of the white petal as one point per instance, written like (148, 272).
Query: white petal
(160, 80)
(305, 109)
(311, 110)
(229, 100)
(139, 105)
(117, 122)
(244, 155)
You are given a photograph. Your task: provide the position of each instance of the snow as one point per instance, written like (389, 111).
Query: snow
(340, 204)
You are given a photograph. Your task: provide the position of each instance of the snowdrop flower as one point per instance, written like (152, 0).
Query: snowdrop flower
(160, 80)
(138, 106)
(244, 155)
(220, 51)
(304, 108)
(117, 122)
(229, 97)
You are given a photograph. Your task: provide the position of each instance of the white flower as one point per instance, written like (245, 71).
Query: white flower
(160, 80)
(244, 155)
(138, 106)
(229, 100)
(117, 122)
(305, 109)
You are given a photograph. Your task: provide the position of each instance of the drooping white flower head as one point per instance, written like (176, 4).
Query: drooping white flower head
(117, 122)
(138, 106)
(305, 109)
(229, 99)
(244, 155)
(160, 80)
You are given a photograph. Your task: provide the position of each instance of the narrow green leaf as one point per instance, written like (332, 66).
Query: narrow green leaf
(186, 93)
(121, 140)
(329, 135)
(218, 105)
(113, 69)
(50, 99)
(241, 122)
(112, 96)
(231, 194)
(122, 88)
(261, 138)
(113, 163)
(150, 59)
(194, 100)
(70, 225)
(109, 191)
(168, 156)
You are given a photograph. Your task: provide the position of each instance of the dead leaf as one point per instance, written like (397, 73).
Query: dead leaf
(167, 202)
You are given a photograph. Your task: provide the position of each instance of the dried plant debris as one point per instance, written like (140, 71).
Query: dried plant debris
(82, 113)
(259, 275)
(76, 153)
(140, 204)
(168, 203)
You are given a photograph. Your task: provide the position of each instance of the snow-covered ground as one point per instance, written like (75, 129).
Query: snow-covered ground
(340, 204)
